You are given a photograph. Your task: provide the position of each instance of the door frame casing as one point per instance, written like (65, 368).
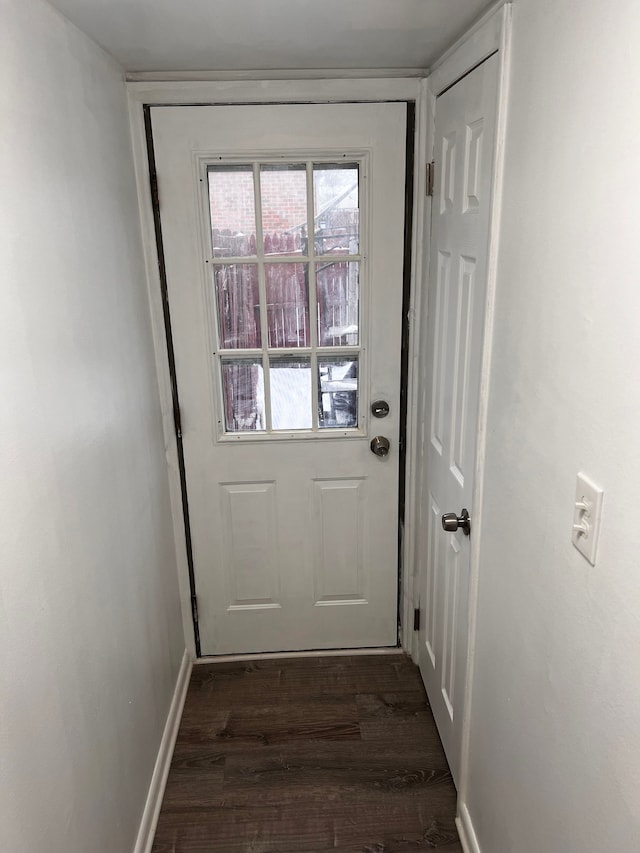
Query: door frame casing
(490, 35)
(361, 90)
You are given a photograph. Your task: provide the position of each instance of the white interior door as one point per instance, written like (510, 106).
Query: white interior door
(283, 240)
(464, 152)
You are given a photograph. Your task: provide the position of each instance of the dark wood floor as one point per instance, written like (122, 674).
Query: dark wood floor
(308, 755)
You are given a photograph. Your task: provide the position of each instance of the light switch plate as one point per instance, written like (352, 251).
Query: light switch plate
(586, 517)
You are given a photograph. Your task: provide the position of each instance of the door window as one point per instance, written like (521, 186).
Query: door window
(287, 307)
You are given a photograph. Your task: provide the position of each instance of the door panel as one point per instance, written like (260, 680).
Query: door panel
(339, 572)
(248, 524)
(464, 145)
(283, 233)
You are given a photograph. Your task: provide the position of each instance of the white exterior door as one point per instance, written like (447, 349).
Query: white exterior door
(464, 153)
(283, 230)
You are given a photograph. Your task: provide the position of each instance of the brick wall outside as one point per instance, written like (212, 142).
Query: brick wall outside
(284, 200)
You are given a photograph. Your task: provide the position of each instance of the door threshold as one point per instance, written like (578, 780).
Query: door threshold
(316, 653)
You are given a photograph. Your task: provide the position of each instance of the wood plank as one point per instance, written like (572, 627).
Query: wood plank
(274, 682)
(295, 829)
(249, 724)
(405, 705)
(361, 760)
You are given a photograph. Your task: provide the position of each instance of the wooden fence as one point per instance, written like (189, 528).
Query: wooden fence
(287, 307)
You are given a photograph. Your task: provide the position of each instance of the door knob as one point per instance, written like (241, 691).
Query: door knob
(380, 445)
(452, 522)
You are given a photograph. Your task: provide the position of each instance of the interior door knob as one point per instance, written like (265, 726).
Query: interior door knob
(380, 445)
(452, 522)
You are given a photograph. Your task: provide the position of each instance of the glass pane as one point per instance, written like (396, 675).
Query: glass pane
(238, 306)
(233, 217)
(338, 392)
(337, 290)
(287, 288)
(243, 395)
(336, 213)
(284, 209)
(290, 379)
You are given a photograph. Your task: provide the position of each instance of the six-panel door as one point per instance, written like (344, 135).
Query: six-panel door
(464, 146)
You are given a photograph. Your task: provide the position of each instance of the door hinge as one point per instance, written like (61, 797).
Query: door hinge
(431, 176)
(416, 619)
(194, 608)
(155, 195)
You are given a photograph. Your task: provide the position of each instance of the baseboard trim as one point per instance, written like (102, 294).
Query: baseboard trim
(149, 821)
(466, 831)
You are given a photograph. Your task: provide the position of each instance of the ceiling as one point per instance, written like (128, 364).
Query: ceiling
(235, 35)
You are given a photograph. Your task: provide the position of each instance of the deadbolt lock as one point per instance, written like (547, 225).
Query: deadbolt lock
(380, 409)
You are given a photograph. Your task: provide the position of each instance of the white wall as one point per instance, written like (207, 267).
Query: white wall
(555, 737)
(90, 630)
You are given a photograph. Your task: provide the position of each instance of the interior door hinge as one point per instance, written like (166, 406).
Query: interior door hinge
(431, 174)
(416, 619)
(194, 608)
